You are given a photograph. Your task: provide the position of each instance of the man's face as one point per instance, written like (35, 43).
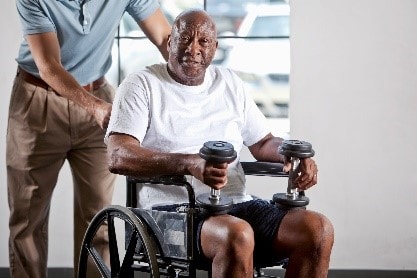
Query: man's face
(191, 46)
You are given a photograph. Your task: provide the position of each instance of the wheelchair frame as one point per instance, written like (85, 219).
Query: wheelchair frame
(146, 248)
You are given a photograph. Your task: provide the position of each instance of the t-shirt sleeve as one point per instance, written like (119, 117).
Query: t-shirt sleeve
(130, 110)
(33, 17)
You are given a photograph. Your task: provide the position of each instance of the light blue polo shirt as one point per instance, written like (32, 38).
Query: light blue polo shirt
(85, 30)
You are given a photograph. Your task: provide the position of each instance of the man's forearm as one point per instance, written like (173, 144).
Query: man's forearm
(132, 160)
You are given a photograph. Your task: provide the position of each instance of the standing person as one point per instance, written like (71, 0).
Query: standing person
(59, 108)
(161, 118)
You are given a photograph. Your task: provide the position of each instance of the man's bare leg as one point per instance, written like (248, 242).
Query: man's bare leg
(229, 243)
(306, 238)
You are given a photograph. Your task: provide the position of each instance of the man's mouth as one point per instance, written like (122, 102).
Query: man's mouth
(191, 63)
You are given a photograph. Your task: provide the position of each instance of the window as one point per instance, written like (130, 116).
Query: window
(262, 26)
(253, 40)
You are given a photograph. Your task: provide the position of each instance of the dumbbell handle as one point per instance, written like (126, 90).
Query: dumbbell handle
(214, 194)
(292, 189)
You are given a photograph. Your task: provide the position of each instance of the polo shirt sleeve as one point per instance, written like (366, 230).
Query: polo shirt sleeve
(141, 9)
(34, 17)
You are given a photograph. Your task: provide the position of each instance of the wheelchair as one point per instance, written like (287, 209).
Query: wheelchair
(160, 242)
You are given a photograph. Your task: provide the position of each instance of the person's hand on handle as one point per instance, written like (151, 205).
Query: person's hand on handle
(213, 175)
(307, 173)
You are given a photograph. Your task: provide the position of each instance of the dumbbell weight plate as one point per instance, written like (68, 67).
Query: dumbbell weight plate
(218, 152)
(284, 200)
(213, 206)
(296, 148)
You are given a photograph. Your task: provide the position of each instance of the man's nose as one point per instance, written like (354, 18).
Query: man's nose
(193, 47)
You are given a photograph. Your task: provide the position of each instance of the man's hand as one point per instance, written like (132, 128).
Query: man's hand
(213, 175)
(307, 176)
(101, 113)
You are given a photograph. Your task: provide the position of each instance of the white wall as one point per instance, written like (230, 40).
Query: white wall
(354, 88)
(354, 96)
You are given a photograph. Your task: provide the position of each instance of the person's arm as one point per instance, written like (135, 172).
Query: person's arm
(266, 149)
(46, 53)
(157, 28)
(127, 157)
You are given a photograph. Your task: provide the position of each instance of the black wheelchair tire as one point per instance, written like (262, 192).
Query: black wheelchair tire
(106, 217)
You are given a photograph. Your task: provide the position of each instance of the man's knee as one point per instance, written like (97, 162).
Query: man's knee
(319, 231)
(230, 238)
(240, 238)
(306, 230)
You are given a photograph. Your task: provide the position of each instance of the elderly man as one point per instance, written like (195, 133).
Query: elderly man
(160, 119)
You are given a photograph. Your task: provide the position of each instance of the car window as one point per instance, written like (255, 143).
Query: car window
(262, 26)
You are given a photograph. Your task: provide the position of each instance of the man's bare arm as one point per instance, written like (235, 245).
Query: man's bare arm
(127, 157)
(46, 53)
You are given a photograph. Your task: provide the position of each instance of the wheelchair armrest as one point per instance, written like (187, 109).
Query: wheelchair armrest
(256, 168)
(260, 168)
(170, 180)
(178, 180)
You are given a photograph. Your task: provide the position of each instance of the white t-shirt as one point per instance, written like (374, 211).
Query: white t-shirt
(167, 116)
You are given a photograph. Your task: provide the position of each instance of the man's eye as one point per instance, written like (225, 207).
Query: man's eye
(204, 41)
(184, 39)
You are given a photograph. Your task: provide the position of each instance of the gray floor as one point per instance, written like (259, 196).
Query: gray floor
(333, 273)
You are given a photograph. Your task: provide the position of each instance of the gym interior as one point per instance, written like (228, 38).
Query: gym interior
(353, 87)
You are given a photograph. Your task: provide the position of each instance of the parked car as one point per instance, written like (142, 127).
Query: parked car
(228, 14)
(261, 56)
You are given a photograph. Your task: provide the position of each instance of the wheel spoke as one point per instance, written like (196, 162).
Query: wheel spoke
(98, 260)
(114, 250)
(130, 251)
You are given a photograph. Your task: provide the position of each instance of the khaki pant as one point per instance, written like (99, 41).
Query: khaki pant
(44, 130)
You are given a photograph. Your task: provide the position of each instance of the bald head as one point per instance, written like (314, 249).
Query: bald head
(191, 46)
(194, 16)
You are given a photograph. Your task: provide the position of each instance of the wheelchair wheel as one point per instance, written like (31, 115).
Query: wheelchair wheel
(123, 258)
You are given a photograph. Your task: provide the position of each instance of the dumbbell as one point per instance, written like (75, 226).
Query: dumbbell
(295, 150)
(216, 152)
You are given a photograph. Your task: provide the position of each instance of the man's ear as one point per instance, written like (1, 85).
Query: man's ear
(169, 42)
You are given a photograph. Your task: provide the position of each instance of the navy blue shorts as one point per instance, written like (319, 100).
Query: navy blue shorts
(264, 219)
